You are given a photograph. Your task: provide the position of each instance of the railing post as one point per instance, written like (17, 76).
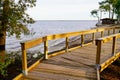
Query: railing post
(24, 59)
(46, 49)
(67, 44)
(93, 37)
(102, 33)
(114, 46)
(82, 39)
(99, 44)
(114, 31)
(108, 32)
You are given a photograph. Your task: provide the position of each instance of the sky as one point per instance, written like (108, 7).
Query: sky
(63, 9)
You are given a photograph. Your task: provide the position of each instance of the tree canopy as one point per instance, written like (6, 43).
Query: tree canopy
(15, 17)
(13, 20)
(110, 6)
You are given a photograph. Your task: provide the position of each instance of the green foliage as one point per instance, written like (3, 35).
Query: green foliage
(94, 13)
(117, 9)
(4, 65)
(14, 11)
(110, 6)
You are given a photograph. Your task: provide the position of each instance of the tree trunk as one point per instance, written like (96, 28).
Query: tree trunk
(3, 28)
(2, 44)
(113, 13)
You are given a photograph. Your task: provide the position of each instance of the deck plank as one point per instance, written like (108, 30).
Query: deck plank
(78, 64)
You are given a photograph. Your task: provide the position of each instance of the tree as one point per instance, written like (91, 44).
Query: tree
(117, 10)
(108, 6)
(95, 13)
(14, 19)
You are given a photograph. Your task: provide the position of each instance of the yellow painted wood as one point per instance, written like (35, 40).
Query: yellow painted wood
(114, 31)
(46, 49)
(93, 37)
(18, 77)
(102, 33)
(109, 61)
(82, 39)
(114, 45)
(108, 32)
(33, 43)
(99, 44)
(24, 59)
(67, 44)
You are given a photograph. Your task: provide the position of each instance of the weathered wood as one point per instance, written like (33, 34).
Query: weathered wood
(114, 31)
(46, 49)
(102, 33)
(114, 46)
(84, 51)
(108, 32)
(109, 61)
(82, 39)
(93, 37)
(99, 44)
(80, 60)
(67, 44)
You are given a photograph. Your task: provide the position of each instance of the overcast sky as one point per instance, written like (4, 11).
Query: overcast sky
(63, 9)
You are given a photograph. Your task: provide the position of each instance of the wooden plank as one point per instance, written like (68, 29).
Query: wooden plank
(82, 39)
(114, 46)
(24, 60)
(102, 33)
(109, 61)
(93, 37)
(46, 49)
(99, 44)
(32, 43)
(67, 44)
(108, 32)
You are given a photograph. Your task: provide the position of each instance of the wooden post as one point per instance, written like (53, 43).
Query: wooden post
(67, 44)
(93, 37)
(114, 46)
(114, 31)
(108, 32)
(24, 59)
(99, 44)
(46, 49)
(98, 73)
(82, 39)
(102, 33)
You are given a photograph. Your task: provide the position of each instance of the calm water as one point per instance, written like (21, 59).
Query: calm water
(43, 28)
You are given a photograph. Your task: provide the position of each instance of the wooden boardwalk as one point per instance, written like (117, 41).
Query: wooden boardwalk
(84, 62)
(78, 64)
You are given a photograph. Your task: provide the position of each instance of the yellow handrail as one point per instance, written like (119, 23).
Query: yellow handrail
(29, 44)
(100, 67)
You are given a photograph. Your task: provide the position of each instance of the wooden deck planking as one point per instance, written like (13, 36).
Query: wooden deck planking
(78, 64)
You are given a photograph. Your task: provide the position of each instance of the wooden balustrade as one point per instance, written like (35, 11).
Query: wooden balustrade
(29, 44)
(114, 56)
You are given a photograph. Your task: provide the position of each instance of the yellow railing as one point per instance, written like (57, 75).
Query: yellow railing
(101, 66)
(29, 44)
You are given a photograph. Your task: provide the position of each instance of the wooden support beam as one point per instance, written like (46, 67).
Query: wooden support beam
(24, 59)
(99, 44)
(114, 31)
(102, 33)
(46, 49)
(93, 37)
(108, 32)
(114, 46)
(82, 39)
(67, 44)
